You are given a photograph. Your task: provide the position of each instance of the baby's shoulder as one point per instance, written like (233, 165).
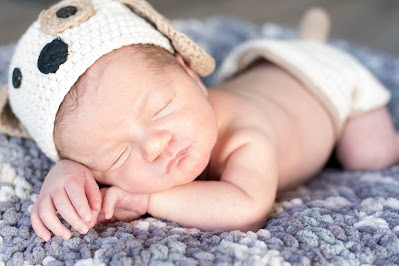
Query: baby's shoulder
(240, 119)
(233, 140)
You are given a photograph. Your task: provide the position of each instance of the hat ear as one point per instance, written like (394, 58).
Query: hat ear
(195, 56)
(9, 123)
(64, 15)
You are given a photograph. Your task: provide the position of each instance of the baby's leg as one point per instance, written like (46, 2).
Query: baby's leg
(368, 141)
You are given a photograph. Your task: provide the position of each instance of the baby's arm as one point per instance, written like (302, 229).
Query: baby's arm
(70, 189)
(241, 200)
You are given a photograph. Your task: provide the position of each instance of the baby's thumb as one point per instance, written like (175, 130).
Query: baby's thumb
(112, 196)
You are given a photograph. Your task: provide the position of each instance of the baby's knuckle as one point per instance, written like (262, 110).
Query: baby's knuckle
(73, 194)
(107, 202)
(74, 183)
(58, 192)
(61, 204)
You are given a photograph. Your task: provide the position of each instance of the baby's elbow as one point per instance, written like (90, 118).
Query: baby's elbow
(252, 226)
(252, 219)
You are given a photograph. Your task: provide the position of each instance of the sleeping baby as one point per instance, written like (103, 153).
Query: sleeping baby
(110, 91)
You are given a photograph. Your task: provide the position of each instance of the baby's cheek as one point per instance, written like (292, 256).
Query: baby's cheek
(122, 177)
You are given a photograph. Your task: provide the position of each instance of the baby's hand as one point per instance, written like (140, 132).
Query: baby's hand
(120, 205)
(70, 189)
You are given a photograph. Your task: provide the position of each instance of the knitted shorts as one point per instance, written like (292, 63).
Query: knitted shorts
(338, 80)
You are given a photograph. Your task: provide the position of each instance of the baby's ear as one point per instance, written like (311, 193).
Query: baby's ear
(191, 72)
(9, 123)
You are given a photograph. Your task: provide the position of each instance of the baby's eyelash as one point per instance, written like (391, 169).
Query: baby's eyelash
(122, 155)
(163, 107)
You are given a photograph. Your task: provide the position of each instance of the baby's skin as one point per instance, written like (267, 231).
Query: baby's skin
(211, 159)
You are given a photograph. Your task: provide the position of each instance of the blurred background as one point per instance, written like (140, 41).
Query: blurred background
(372, 23)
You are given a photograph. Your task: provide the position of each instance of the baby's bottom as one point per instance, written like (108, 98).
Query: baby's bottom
(368, 141)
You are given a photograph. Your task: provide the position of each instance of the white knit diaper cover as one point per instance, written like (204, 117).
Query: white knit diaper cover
(337, 79)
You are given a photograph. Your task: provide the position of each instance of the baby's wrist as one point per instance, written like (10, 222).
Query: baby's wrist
(148, 196)
(149, 203)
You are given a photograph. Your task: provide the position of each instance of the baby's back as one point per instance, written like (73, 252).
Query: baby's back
(266, 99)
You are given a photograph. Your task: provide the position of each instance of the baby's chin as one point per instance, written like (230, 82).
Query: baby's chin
(186, 172)
(192, 168)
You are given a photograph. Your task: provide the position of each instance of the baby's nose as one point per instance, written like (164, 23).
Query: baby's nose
(155, 144)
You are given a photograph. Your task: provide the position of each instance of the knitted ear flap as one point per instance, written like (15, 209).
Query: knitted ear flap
(9, 123)
(195, 56)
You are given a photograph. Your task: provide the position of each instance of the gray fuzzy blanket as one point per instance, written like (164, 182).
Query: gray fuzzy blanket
(338, 218)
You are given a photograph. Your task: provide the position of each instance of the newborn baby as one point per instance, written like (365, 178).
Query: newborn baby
(140, 122)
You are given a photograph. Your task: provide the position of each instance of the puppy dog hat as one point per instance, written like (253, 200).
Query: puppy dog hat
(63, 43)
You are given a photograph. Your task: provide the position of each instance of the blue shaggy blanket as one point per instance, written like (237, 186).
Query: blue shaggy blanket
(338, 218)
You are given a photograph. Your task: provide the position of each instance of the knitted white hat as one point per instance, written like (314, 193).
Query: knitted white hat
(63, 43)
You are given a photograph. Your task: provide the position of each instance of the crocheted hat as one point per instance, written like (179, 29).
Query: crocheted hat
(63, 43)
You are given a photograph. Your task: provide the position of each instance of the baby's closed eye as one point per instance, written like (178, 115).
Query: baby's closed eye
(121, 159)
(160, 110)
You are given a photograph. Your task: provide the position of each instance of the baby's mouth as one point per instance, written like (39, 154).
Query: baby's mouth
(178, 156)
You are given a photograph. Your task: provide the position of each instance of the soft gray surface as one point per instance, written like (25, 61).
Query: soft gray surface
(340, 217)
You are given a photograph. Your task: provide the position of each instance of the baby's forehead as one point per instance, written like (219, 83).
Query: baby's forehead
(111, 68)
(107, 61)
(127, 56)
(112, 60)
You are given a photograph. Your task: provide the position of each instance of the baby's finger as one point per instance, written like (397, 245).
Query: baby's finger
(94, 215)
(112, 196)
(101, 219)
(77, 196)
(103, 191)
(64, 206)
(47, 214)
(37, 224)
(92, 192)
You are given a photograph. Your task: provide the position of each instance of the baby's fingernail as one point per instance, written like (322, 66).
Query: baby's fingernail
(66, 236)
(87, 218)
(84, 229)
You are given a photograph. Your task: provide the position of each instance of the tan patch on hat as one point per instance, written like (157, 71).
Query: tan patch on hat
(52, 24)
(9, 123)
(199, 60)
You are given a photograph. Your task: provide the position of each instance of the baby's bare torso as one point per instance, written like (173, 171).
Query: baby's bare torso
(266, 99)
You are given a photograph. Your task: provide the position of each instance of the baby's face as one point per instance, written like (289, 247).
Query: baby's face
(135, 121)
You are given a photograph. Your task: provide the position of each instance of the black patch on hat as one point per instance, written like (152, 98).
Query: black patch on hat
(52, 56)
(16, 78)
(66, 12)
